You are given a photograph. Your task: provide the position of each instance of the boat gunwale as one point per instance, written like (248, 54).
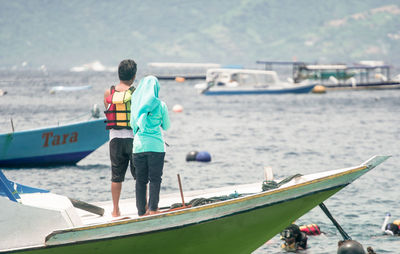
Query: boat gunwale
(261, 90)
(50, 127)
(213, 205)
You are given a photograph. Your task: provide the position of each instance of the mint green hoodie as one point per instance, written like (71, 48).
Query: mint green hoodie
(148, 115)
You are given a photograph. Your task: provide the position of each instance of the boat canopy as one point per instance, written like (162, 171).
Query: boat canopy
(242, 77)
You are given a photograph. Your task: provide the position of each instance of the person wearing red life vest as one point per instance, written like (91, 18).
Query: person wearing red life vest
(117, 104)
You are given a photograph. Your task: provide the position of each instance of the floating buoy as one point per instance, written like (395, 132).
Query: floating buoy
(179, 79)
(319, 89)
(177, 108)
(191, 156)
(311, 229)
(350, 246)
(203, 156)
(2, 92)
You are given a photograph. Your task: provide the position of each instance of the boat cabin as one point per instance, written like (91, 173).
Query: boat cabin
(241, 77)
(364, 73)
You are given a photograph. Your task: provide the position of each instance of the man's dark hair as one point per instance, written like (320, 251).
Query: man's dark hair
(126, 70)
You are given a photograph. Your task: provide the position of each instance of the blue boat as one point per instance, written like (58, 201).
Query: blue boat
(227, 81)
(52, 146)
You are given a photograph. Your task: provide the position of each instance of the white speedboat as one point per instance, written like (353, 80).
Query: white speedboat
(226, 81)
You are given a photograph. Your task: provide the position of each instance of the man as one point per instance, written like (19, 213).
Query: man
(118, 105)
(294, 239)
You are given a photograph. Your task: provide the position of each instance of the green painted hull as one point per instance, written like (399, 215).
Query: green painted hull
(237, 233)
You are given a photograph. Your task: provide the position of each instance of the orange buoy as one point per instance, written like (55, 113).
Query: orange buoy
(179, 79)
(177, 108)
(319, 89)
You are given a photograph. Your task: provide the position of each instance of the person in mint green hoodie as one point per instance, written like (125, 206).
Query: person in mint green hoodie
(148, 115)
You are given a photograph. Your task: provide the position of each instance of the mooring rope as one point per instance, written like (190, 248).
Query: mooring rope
(269, 185)
(266, 185)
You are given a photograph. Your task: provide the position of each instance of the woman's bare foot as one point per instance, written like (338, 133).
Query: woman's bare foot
(153, 212)
(116, 213)
(149, 212)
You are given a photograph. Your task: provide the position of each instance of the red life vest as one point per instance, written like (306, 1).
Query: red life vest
(118, 113)
(311, 229)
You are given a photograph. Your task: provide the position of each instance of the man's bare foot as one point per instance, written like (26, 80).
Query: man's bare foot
(116, 213)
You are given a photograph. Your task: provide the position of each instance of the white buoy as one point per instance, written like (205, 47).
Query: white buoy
(177, 108)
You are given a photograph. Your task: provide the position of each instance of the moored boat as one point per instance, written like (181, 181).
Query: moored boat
(53, 145)
(358, 76)
(241, 219)
(228, 81)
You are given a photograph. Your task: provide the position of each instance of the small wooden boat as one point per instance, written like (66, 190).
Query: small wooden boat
(227, 81)
(241, 219)
(55, 145)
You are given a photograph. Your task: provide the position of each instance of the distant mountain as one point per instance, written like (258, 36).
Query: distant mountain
(64, 34)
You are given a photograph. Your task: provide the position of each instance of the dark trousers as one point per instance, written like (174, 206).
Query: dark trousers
(149, 168)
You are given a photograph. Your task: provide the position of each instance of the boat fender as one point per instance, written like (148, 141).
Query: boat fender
(203, 156)
(191, 156)
(311, 229)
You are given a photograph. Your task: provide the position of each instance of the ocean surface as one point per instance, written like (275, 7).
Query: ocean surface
(290, 133)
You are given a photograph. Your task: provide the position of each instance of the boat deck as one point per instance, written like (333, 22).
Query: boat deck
(128, 206)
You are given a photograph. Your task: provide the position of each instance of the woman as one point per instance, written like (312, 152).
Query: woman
(148, 115)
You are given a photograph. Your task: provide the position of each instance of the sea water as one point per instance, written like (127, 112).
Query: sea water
(291, 133)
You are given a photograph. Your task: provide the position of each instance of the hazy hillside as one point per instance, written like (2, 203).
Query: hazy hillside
(62, 34)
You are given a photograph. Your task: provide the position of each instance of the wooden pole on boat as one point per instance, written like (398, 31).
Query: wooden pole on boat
(87, 207)
(339, 228)
(12, 124)
(180, 189)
